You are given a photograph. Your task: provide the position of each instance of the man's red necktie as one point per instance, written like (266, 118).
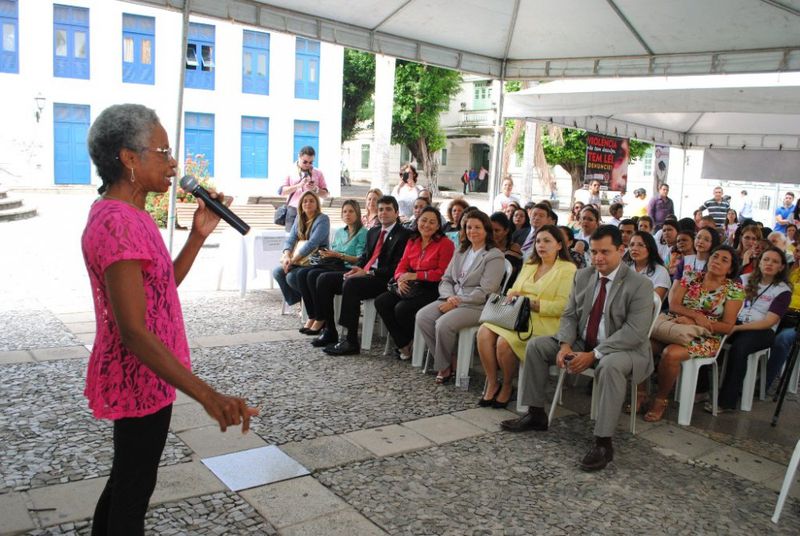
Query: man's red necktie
(377, 251)
(594, 317)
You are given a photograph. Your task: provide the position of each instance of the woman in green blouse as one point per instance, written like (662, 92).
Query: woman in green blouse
(347, 246)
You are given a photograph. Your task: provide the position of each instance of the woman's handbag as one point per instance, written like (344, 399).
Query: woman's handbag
(667, 331)
(514, 315)
(280, 212)
(304, 261)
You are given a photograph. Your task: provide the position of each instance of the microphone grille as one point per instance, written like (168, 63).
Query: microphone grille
(188, 183)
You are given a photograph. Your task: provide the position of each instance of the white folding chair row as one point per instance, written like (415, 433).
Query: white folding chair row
(590, 373)
(687, 385)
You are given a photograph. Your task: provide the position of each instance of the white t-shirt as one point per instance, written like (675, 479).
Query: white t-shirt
(467, 264)
(659, 276)
(405, 199)
(765, 301)
(501, 200)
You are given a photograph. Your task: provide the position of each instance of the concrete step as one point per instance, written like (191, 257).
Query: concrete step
(19, 213)
(7, 203)
(3, 192)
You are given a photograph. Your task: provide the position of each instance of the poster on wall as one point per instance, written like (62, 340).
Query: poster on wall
(607, 161)
(660, 166)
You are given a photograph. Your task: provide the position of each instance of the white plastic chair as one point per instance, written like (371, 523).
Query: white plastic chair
(687, 385)
(590, 373)
(787, 482)
(749, 385)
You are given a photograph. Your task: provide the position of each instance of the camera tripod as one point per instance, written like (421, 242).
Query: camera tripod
(783, 386)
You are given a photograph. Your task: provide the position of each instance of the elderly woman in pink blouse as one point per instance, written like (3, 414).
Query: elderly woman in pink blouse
(140, 353)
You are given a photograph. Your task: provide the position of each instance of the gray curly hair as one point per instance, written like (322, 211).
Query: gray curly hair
(121, 126)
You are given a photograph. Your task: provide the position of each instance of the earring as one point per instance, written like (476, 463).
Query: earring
(133, 176)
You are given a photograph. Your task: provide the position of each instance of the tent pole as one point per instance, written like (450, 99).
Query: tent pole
(499, 132)
(683, 176)
(173, 191)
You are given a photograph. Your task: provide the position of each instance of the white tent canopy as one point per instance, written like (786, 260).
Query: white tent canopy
(541, 39)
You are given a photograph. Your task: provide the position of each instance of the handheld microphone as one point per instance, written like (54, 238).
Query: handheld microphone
(217, 206)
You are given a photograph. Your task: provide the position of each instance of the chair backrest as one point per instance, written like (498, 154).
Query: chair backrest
(656, 311)
(507, 278)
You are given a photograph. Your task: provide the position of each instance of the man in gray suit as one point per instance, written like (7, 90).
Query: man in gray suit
(605, 324)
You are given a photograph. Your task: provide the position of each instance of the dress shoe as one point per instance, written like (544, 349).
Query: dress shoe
(303, 330)
(325, 338)
(344, 347)
(309, 331)
(486, 402)
(529, 421)
(597, 458)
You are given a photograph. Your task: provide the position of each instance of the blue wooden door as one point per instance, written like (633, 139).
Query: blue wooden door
(306, 133)
(71, 157)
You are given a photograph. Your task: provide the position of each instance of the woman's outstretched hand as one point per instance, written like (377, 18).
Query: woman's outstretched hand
(228, 410)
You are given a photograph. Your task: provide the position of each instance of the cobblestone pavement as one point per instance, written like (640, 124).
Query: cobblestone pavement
(718, 476)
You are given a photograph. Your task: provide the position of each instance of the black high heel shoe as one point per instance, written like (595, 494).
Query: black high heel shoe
(496, 404)
(485, 403)
(309, 331)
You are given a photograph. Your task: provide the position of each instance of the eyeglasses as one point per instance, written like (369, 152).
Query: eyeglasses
(306, 162)
(165, 152)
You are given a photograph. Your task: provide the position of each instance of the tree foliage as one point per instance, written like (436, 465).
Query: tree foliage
(358, 85)
(569, 152)
(421, 93)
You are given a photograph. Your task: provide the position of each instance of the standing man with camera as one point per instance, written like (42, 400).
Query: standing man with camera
(303, 178)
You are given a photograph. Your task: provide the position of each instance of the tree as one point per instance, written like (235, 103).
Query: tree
(421, 93)
(567, 148)
(358, 85)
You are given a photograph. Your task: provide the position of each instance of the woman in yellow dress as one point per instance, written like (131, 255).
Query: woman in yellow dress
(546, 279)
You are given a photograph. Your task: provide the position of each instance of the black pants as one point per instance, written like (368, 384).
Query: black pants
(743, 344)
(138, 444)
(308, 279)
(399, 313)
(353, 291)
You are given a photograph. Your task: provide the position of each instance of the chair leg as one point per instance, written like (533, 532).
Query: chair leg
(749, 384)
(688, 385)
(417, 349)
(369, 325)
(466, 347)
(795, 379)
(595, 401)
(763, 379)
(714, 388)
(556, 396)
(787, 483)
(521, 388)
(634, 397)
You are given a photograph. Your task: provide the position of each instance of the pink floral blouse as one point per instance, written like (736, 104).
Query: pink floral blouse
(118, 384)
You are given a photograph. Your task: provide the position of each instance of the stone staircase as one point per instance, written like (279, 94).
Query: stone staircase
(12, 208)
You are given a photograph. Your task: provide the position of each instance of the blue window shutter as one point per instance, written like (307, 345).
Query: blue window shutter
(199, 136)
(201, 56)
(138, 49)
(70, 42)
(306, 73)
(255, 147)
(306, 133)
(255, 63)
(9, 36)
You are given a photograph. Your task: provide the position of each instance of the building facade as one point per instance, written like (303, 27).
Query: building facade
(250, 98)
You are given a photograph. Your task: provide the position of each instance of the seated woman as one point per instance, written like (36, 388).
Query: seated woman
(474, 273)
(705, 241)
(778, 240)
(710, 299)
(510, 209)
(521, 220)
(546, 279)
(419, 204)
(590, 221)
(574, 219)
(731, 224)
(427, 254)
(646, 261)
(576, 248)
(348, 244)
(767, 297)
(370, 218)
(311, 227)
(784, 339)
(454, 212)
(684, 246)
(501, 232)
(749, 237)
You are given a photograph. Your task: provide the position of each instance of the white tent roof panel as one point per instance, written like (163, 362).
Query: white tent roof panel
(542, 39)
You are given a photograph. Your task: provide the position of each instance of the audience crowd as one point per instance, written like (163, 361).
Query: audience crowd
(580, 295)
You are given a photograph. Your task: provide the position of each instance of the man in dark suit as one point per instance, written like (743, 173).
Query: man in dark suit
(366, 280)
(540, 215)
(606, 325)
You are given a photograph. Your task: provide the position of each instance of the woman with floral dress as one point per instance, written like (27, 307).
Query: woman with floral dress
(710, 299)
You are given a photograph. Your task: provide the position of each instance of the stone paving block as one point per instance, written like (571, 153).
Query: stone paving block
(81, 327)
(209, 441)
(181, 399)
(70, 502)
(189, 415)
(61, 352)
(85, 338)
(344, 523)
(624, 424)
(325, 452)
(254, 467)
(388, 440)
(14, 515)
(488, 419)
(80, 316)
(254, 337)
(744, 464)
(293, 501)
(444, 428)
(15, 356)
(184, 480)
(678, 442)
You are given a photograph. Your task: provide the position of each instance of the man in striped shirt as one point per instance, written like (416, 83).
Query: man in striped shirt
(717, 207)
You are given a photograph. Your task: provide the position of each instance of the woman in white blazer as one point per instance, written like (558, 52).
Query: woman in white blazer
(475, 272)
